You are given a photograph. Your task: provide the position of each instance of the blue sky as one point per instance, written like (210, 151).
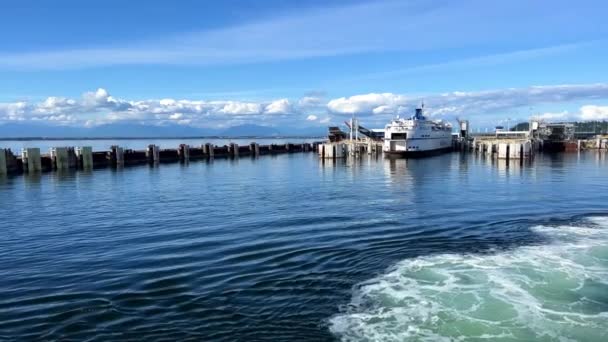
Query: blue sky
(311, 63)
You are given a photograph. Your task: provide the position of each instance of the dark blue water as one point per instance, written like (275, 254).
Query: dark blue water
(285, 248)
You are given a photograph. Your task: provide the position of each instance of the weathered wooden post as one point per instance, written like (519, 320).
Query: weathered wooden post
(255, 149)
(3, 162)
(153, 154)
(85, 157)
(117, 156)
(63, 158)
(31, 160)
(184, 153)
(234, 150)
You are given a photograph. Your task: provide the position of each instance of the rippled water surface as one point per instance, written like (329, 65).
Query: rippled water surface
(287, 248)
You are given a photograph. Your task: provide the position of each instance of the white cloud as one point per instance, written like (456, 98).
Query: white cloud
(99, 107)
(368, 103)
(282, 106)
(176, 116)
(240, 108)
(549, 116)
(14, 111)
(383, 109)
(594, 112)
(466, 103)
(311, 101)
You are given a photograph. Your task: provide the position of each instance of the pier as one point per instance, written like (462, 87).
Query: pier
(502, 144)
(346, 149)
(32, 160)
(506, 145)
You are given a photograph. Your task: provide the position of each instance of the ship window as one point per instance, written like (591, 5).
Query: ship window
(399, 136)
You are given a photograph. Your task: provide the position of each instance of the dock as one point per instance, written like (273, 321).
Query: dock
(31, 160)
(349, 149)
(504, 144)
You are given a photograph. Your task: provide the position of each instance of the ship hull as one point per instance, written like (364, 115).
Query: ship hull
(418, 154)
(552, 146)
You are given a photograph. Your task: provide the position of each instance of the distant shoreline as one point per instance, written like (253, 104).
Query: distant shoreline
(157, 138)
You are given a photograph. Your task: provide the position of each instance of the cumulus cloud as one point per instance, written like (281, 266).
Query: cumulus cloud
(549, 116)
(384, 103)
(239, 108)
(466, 103)
(594, 112)
(282, 106)
(99, 107)
(585, 113)
(311, 101)
(14, 111)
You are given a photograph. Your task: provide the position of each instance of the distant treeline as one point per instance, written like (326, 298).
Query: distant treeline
(586, 126)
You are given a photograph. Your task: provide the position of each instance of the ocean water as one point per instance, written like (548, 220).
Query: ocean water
(287, 248)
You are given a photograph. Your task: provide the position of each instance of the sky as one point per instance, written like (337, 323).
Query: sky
(307, 63)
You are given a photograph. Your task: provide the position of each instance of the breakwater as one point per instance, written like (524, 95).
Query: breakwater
(73, 158)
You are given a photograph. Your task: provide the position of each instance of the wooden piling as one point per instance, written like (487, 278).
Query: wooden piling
(31, 160)
(84, 155)
(255, 149)
(63, 158)
(3, 163)
(184, 153)
(234, 150)
(153, 154)
(117, 157)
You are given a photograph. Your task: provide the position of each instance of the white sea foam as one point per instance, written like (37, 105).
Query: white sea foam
(552, 292)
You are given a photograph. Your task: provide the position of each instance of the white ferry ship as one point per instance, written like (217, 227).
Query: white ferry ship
(417, 136)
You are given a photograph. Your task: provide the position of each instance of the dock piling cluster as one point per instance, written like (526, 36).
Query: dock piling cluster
(508, 149)
(339, 150)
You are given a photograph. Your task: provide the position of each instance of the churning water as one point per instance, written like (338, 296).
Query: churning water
(555, 292)
(288, 248)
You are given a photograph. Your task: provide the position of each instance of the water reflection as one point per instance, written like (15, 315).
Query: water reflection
(32, 179)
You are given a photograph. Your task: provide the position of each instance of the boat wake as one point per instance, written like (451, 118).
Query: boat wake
(553, 292)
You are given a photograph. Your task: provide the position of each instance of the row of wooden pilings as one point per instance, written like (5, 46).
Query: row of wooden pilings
(506, 149)
(338, 150)
(68, 158)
